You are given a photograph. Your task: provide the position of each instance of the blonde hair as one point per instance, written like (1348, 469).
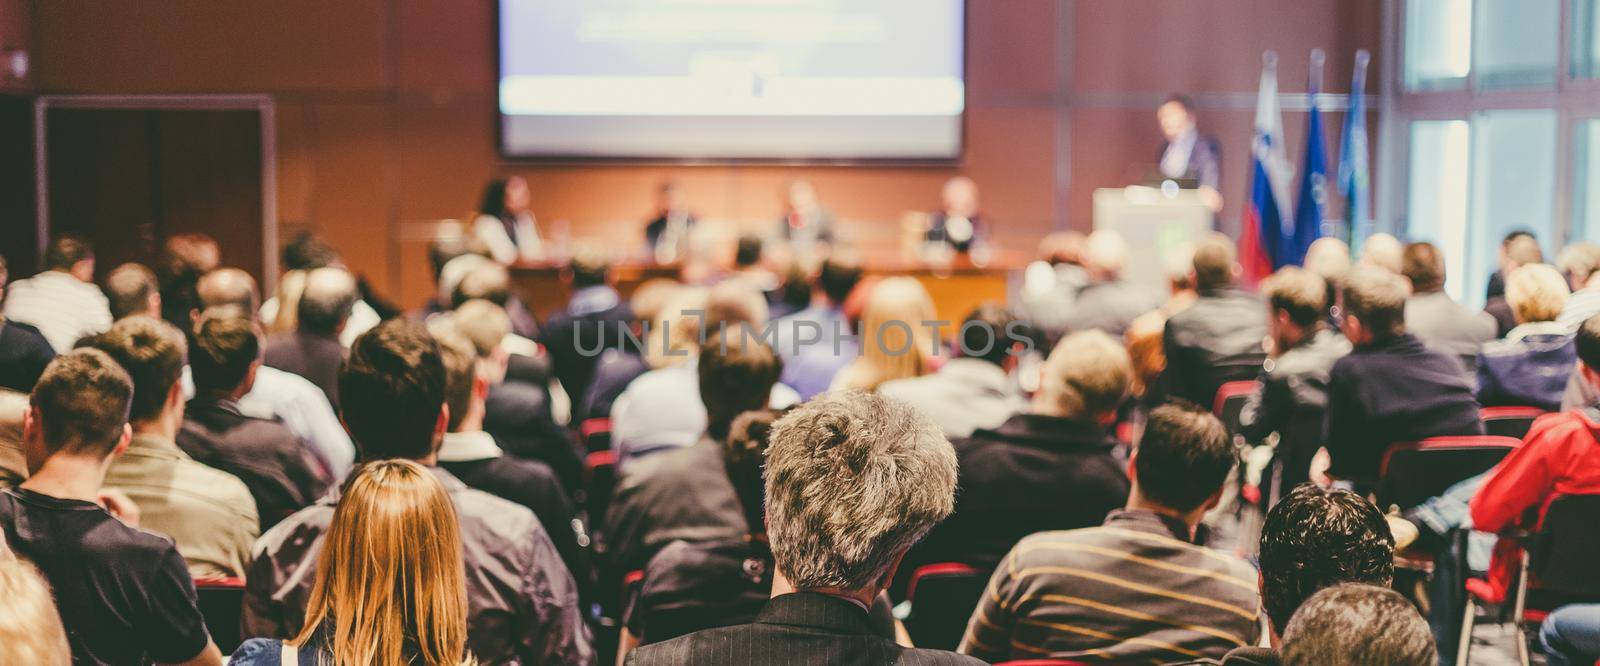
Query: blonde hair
(1086, 375)
(290, 286)
(30, 627)
(482, 323)
(895, 343)
(1536, 292)
(674, 335)
(390, 581)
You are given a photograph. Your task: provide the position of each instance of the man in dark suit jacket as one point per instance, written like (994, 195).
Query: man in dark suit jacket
(833, 555)
(313, 350)
(1188, 155)
(1217, 339)
(595, 319)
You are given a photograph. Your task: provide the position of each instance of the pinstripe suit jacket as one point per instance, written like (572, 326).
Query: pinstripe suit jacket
(799, 629)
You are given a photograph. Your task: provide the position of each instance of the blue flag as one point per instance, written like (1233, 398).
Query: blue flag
(1312, 205)
(1354, 172)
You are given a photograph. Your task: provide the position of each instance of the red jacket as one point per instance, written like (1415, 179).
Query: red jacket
(1560, 456)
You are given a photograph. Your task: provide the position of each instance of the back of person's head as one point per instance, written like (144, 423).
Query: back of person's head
(747, 252)
(1087, 376)
(390, 586)
(493, 201)
(65, 251)
(131, 289)
(744, 453)
(985, 333)
(895, 343)
(673, 335)
(1536, 292)
(837, 278)
(30, 628)
(306, 252)
(1522, 249)
(391, 389)
(1183, 458)
(482, 323)
(1328, 258)
(651, 296)
(736, 375)
(1066, 247)
(1423, 265)
(326, 300)
(187, 256)
(1215, 262)
(460, 375)
(224, 347)
(1297, 292)
(153, 353)
(1105, 253)
(448, 246)
(1382, 251)
(1587, 341)
(1358, 625)
(80, 405)
(1314, 538)
(228, 287)
(1178, 264)
(588, 268)
(732, 303)
(1377, 299)
(1579, 261)
(486, 280)
(853, 480)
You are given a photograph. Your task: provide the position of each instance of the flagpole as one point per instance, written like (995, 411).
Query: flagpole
(1318, 57)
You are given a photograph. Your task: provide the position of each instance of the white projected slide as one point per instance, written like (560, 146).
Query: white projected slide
(732, 79)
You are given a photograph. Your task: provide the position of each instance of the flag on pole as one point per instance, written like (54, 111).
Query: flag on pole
(1260, 234)
(1354, 171)
(1312, 205)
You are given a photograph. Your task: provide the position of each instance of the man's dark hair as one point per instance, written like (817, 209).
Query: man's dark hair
(748, 252)
(153, 353)
(1181, 100)
(1301, 294)
(1315, 538)
(308, 251)
(1184, 456)
(326, 301)
(224, 347)
(128, 289)
(1423, 265)
(1356, 625)
(743, 454)
(983, 334)
(390, 391)
(736, 376)
(1587, 341)
(1377, 298)
(1515, 234)
(81, 402)
(588, 269)
(838, 278)
(65, 251)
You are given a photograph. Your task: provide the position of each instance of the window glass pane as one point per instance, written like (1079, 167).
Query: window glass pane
(1438, 44)
(1586, 183)
(1586, 38)
(1513, 186)
(1437, 203)
(1516, 43)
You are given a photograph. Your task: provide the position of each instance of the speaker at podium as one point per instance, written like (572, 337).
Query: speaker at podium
(1154, 221)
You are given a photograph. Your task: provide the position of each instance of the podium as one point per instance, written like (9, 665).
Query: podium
(1153, 222)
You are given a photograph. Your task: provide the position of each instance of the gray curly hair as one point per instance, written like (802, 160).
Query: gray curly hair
(853, 480)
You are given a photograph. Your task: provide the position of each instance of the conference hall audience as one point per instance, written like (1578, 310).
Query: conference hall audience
(185, 258)
(125, 594)
(275, 394)
(619, 366)
(281, 472)
(1050, 468)
(1355, 624)
(1432, 316)
(1141, 581)
(1531, 365)
(131, 289)
(1580, 262)
(895, 344)
(833, 551)
(208, 512)
(30, 627)
(389, 587)
(974, 389)
(816, 342)
(522, 603)
(1107, 302)
(1051, 283)
(595, 319)
(303, 254)
(1217, 339)
(24, 351)
(1293, 397)
(312, 350)
(1518, 249)
(61, 301)
(1391, 388)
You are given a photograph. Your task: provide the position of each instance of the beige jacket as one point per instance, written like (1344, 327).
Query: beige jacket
(208, 512)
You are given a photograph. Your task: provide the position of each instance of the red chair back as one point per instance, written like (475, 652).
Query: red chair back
(596, 434)
(1412, 472)
(599, 480)
(1509, 421)
(1230, 401)
(221, 603)
(943, 597)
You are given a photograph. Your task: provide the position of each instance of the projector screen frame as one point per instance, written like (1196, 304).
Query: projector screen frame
(516, 159)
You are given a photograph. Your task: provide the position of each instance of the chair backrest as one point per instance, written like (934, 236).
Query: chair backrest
(596, 434)
(1509, 421)
(1563, 553)
(1412, 472)
(599, 480)
(1230, 401)
(221, 603)
(1042, 662)
(943, 597)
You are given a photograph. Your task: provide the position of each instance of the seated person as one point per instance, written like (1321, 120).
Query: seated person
(1108, 302)
(1432, 316)
(302, 255)
(684, 494)
(1519, 248)
(79, 534)
(1391, 388)
(312, 349)
(815, 343)
(209, 512)
(618, 367)
(131, 289)
(1048, 469)
(833, 552)
(1532, 364)
(1217, 339)
(1355, 624)
(595, 319)
(24, 352)
(61, 302)
(975, 389)
(1294, 381)
(521, 603)
(1138, 586)
(273, 463)
(1571, 635)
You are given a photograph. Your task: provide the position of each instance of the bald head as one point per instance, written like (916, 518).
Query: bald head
(1105, 254)
(1383, 251)
(227, 287)
(325, 304)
